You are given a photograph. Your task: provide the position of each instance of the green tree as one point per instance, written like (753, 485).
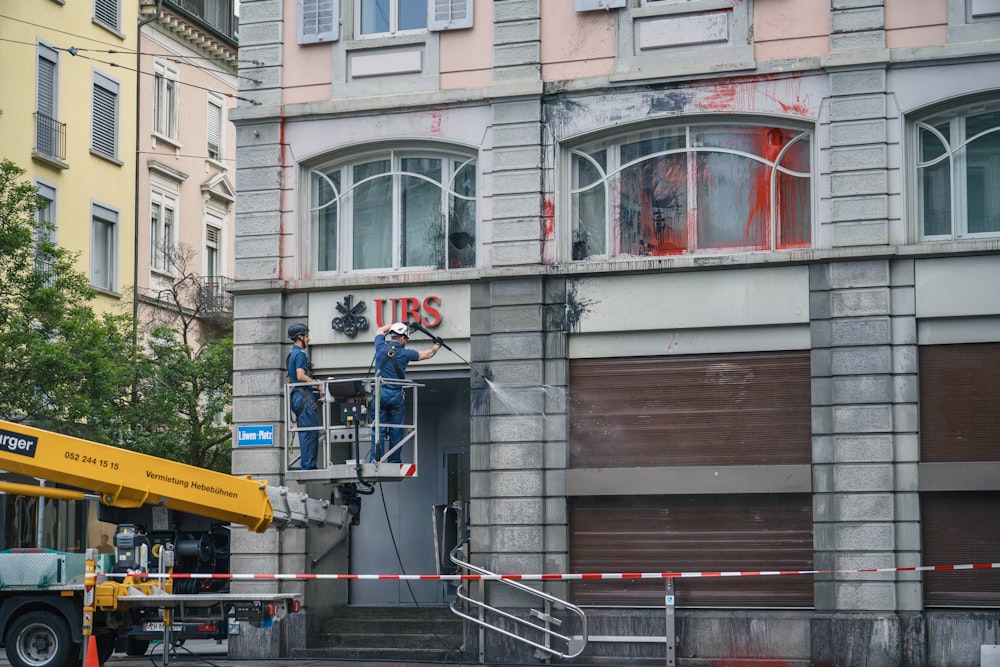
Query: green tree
(65, 367)
(184, 378)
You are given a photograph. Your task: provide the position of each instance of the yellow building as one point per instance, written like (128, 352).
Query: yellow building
(68, 118)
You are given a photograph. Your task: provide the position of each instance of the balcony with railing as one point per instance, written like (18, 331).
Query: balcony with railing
(219, 15)
(215, 297)
(50, 138)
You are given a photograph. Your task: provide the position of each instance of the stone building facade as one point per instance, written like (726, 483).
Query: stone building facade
(726, 276)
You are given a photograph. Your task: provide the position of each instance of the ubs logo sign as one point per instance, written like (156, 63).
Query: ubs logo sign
(350, 320)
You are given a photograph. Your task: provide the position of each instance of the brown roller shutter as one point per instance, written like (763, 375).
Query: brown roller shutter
(732, 409)
(693, 533)
(960, 403)
(960, 528)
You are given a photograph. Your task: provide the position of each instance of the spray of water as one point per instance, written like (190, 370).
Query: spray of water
(519, 401)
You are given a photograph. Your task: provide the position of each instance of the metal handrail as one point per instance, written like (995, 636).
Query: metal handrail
(574, 645)
(329, 426)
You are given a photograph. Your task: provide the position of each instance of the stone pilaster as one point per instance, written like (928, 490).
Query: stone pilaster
(259, 324)
(518, 450)
(857, 25)
(517, 40)
(513, 167)
(853, 408)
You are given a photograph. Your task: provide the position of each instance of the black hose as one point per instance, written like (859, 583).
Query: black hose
(440, 341)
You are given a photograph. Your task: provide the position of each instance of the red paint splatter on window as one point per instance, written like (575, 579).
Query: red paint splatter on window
(767, 143)
(791, 194)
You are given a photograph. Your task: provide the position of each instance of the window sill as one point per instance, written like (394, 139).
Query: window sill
(106, 292)
(169, 141)
(684, 62)
(777, 257)
(107, 158)
(382, 42)
(49, 160)
(162, 274)
(683, 8)
(110, 28)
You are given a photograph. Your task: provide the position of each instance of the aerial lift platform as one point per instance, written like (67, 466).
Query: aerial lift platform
(349, 415)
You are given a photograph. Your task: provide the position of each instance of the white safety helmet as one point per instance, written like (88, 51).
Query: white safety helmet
(400, 329)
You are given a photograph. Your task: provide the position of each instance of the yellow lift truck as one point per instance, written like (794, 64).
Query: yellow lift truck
(51, 602)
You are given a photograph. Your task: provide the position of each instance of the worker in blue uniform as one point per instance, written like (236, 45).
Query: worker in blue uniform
(391, 359)
(304, 399)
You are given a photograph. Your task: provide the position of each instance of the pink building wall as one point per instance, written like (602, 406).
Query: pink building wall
(912, 23)
(580, 45)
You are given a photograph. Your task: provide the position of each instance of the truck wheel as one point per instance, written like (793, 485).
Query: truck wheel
(39, 639)
(135, 646)
(105, 647)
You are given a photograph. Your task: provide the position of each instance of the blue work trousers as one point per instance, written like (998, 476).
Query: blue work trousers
(391, 411)
(304, 406)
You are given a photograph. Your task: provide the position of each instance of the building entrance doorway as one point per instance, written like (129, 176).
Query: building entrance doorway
(396, 534)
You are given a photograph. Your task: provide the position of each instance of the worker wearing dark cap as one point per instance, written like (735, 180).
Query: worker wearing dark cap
(305, 403)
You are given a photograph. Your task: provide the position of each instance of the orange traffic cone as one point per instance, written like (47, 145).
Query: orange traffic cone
(90, 660)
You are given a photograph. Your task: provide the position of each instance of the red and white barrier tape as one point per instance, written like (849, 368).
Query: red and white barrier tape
(585, 576)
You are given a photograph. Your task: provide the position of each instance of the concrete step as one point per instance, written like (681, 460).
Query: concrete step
(382, 657)
(395, 634)
(395, 639)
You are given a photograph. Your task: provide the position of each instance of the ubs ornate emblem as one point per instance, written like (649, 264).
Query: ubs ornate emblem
(350, 320)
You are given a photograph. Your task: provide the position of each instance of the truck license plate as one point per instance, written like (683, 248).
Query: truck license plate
(158, 627)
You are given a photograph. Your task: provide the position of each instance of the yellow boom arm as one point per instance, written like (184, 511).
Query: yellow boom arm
(124, 478)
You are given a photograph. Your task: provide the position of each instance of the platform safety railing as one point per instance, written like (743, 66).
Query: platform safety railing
(348, 411)
(540, 624)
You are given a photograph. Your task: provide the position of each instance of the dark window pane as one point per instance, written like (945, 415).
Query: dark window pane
(412, 14)
(423, 231)
(652, 208)
(462, 217)
(934, 182)
(982, 175)
(589, 206)
(325, 217)
(372, 212)
(374, 16)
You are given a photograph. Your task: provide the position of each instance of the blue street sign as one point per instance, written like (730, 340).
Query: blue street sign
(255, 436)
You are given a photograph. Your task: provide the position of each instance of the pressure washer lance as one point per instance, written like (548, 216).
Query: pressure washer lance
(440, 341)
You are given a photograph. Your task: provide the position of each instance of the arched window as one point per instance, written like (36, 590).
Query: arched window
(957, 172)
(690, 189)
(395, 209)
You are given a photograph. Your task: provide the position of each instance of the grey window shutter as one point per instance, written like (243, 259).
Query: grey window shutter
(214, 131)
(46, 103)
(591, 5)
(46, 135)
(449, 14)
(104, 130)
(319, 21)
(106, 11)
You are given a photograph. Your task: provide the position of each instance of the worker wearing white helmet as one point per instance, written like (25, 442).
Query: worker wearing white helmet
(391, 359)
